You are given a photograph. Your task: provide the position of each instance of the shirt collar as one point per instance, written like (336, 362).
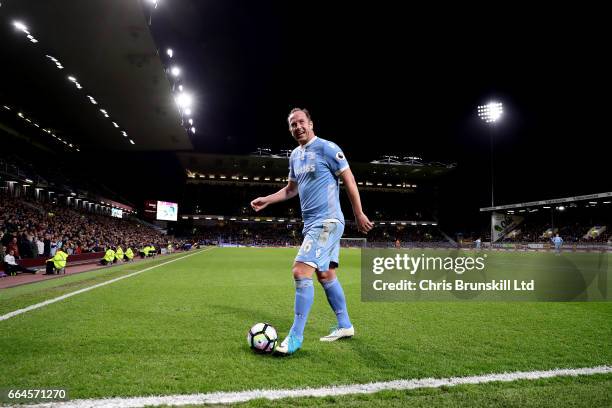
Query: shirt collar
(308, 144)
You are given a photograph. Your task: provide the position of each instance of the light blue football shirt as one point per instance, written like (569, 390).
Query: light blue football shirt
(315, 168)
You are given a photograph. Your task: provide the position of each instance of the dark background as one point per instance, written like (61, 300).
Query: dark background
(390, 79)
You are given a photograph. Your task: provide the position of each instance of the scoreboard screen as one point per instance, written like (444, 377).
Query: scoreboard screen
(167, 211)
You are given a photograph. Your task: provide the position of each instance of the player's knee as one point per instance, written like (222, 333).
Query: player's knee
(326, 276)
(301, 271)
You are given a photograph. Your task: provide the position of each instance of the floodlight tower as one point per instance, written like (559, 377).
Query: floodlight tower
(491, 113)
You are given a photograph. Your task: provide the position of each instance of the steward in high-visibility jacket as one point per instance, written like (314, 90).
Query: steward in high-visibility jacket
(57, 263)
(109, 257)
(129, 254)
(152, 251)
(119, 253)
(144, 252)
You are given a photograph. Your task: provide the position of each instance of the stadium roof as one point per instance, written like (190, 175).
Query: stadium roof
(593, 198)
(277, 166)
(116, 63)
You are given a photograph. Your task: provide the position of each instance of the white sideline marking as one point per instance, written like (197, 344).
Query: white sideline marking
(67, 295)
(243, 396)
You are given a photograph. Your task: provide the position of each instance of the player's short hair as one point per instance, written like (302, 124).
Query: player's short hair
(299, 110)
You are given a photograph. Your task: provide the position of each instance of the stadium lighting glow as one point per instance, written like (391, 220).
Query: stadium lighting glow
(607, 202)
(180, 87)
(124, 133)
(170, 52)
(193, 130)
(490, 112)
(20, 26)
(561, 208)
(132, 142)
(546, 206)
(175, 71)
(115, 124)
(187, 111)
(191, 121)
(184, 100)
(92, 100)
(71, 78)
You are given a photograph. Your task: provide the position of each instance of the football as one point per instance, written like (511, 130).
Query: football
(262, 338)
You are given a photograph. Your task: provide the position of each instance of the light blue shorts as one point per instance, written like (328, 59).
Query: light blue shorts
(321, 246)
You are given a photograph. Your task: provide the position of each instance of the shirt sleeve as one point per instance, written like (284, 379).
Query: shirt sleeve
(334, 157)
(291, 171)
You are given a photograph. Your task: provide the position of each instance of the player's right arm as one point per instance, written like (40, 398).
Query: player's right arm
(285, 193)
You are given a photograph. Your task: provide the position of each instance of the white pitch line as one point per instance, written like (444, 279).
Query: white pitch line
(67, 295)
(243, 396)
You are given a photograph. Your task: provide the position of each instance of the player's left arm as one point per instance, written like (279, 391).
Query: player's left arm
(363, 223)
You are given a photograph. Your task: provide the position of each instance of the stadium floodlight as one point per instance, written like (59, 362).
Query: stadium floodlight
(180, 88)
(71, 78)
(132, 142)
(170, 52)
(20, 26)
(193, 129)
(191, 121)
(184, 100)
(491, 112)
(187, 111)
(175, 71)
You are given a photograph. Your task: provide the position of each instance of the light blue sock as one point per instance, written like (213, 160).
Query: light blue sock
(337, 301)
(304, 296)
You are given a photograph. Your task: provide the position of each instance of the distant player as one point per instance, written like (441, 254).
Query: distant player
(478, 243)
(314, 168)
(557, 242)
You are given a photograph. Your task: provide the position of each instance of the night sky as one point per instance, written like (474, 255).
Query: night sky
(385, 80)
(381, 78)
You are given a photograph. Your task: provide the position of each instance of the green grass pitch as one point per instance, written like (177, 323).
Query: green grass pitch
(181, 328)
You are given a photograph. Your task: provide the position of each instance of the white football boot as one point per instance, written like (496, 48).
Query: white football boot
(339, 333)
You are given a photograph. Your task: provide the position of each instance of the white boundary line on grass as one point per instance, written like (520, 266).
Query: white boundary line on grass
(67, 295)
(243, 396)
